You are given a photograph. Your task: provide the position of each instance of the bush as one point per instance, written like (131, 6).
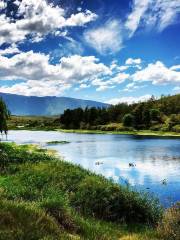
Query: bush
(24, 221)
(176, 128)
(156, 127)
(128, 120)
(13, 154)
(169, 227)
(103, 199)
(58, 207)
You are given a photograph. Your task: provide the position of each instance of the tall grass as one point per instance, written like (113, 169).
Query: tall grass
(74, 200)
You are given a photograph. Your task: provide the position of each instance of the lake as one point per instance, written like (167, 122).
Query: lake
(146, 163)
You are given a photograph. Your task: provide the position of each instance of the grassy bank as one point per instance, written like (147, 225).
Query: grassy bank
(135, 133)
(45, 198)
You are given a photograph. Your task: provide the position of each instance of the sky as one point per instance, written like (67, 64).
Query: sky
(105, 50)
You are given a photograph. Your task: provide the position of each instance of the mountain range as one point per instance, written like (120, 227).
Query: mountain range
(44, 106)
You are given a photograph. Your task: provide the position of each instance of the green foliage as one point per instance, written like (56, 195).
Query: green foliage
(4, 116)
(169, 227)
(155, 115)
(25, 221)
(143, 115)
(109, 201)
(176, 128)
(46, 198)
(128, 120)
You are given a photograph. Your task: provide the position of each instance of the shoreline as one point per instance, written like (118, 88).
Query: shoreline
(132, 133)
(145, 133)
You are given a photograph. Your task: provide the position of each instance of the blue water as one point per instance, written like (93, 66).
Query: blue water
(156, 161)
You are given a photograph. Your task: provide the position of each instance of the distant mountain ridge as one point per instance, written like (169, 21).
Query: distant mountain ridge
(44, 106)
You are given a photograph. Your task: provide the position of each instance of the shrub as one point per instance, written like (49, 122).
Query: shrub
(176, 128)
(169, 227)
(13, 154)
(103, 199)
(128, 120)
(156, 127)
(58, 207)
(24, 221)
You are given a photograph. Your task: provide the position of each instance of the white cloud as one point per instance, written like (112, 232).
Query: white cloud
(177, 89)
(131, 61)
(129, 100)
(13, 49)
(139, 7)
(105, 39)
(38, 18)
(120, 78)
(3, 4)
(84, 85)
(71, 47)
(132, 87)
(176, 67)
(37, 88)
(104, 84)
(35, 67)
(80, 18)
(104, 87)
(156, 14)
(123, 68)
(157, 73)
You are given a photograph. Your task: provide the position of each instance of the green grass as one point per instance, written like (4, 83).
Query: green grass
(43, 197)
(135, 133)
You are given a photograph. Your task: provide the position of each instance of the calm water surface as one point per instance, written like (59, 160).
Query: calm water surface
(156, 160)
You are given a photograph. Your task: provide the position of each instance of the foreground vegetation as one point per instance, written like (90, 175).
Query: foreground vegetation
(43, 197)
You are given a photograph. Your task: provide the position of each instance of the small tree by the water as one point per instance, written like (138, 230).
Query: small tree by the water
(4, 115)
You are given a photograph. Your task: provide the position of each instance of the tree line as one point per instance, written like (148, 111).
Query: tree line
(4, 116)
(164, 113)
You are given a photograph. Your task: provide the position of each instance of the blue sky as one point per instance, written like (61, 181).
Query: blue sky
(105, 50)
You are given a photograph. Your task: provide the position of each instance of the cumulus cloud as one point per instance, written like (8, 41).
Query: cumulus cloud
(132, 87)
(13, 49)
(176, 67)
(104, 84)
(37, 18)
(105, 39)
(131, 61)
(157, 73)
(156, 14)
(36, 88)
(120, 78)
(36, 67)
(129, 100)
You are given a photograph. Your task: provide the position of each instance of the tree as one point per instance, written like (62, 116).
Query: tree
(155, 114)
(128, 120)
(138, 115)
(4, 116)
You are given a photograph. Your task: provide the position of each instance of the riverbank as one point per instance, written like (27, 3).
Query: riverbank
(35, 123)
(34, 183)
(135, 133)
(82, 131)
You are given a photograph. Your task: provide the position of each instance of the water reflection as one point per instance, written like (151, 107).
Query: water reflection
(154, 159)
